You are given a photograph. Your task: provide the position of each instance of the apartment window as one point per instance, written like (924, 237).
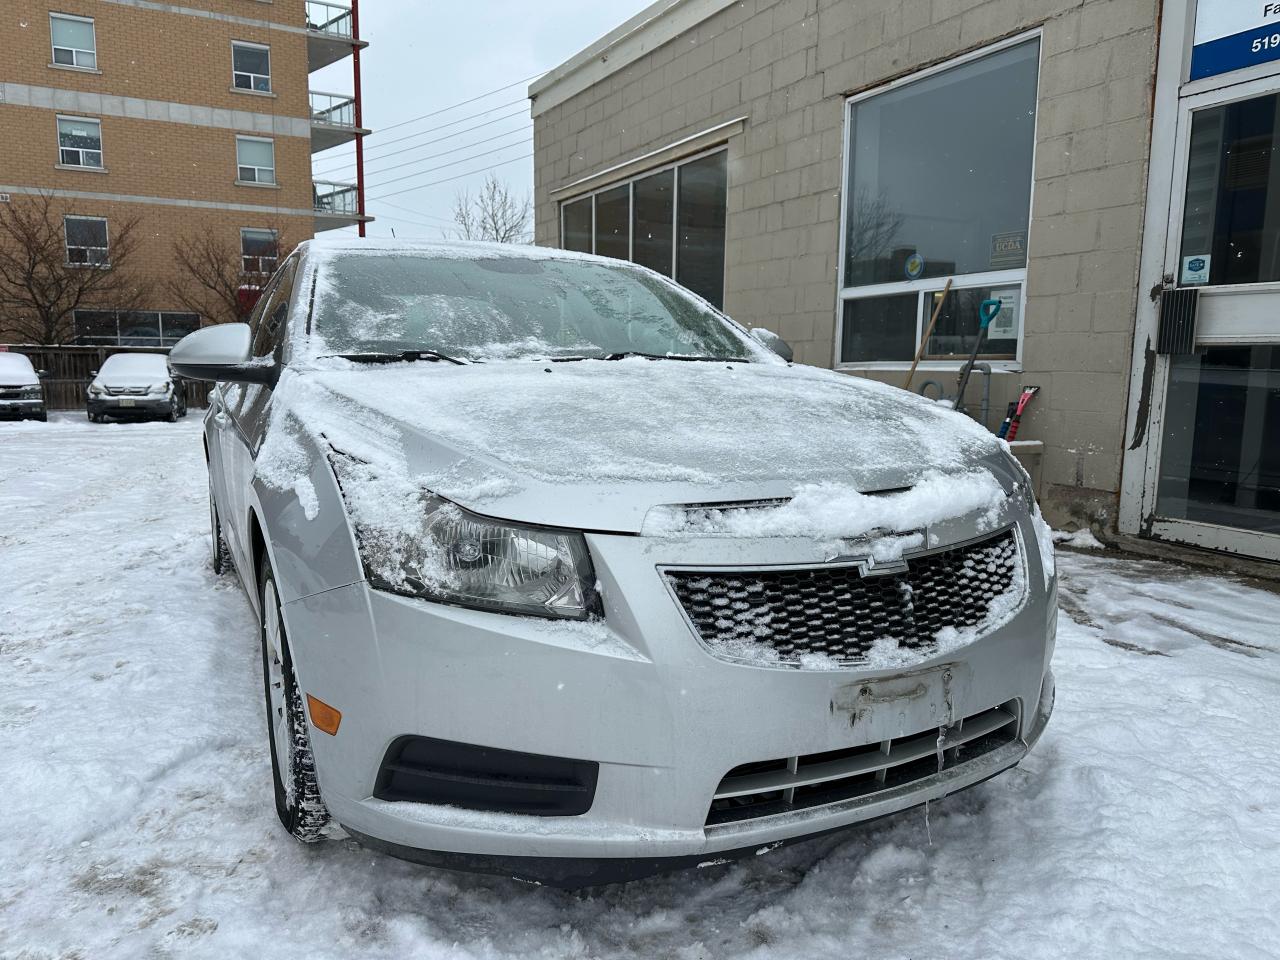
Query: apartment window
(251, 66)
(74, 44)
(259, 251)
(938, 187)
(79, 142)
(86, 239)
(135, 328)
(256, 160)
(670, 220)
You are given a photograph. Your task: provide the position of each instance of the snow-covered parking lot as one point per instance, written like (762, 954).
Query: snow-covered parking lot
(138, 819)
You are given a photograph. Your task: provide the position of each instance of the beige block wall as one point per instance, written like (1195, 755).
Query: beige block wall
(788, 65)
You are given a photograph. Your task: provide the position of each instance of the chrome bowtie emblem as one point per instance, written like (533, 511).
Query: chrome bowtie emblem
(859, 550)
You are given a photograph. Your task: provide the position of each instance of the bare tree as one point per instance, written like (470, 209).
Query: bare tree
(40, 286)
(874, 226)
(217, 279)
(495, 213)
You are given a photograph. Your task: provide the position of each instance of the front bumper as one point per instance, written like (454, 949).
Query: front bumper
(21, 409)
(144, 406)
(664, 719)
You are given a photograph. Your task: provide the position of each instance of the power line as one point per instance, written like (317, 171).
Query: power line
(416, 213)
(466, 146)
(451, 123)
(427, 143)
(433, 183)
(463, 103)
(451, 163)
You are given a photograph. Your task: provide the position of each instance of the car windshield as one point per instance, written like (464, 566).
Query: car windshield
(494, 307)
(16, 365)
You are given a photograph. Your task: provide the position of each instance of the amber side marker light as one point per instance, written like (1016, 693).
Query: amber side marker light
(323, 717)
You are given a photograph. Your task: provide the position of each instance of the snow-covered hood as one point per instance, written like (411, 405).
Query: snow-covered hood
(598, 444)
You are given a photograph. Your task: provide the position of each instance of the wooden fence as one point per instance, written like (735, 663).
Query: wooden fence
(71, 368)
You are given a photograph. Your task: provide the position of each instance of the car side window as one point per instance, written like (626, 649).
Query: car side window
(270, 320)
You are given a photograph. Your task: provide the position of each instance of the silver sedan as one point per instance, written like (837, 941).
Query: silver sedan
(562, 574)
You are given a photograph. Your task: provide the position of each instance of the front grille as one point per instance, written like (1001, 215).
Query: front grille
(770, 787)
(426, 770)
(10, 394)
(840, 613)
(127, 391)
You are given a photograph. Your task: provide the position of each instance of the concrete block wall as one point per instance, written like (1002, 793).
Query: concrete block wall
(788, 65)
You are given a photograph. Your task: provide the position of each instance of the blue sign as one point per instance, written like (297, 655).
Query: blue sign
(914, 267)
(1233, 34)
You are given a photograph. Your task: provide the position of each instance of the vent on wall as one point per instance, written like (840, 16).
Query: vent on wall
(1177, 333)
(4, 198)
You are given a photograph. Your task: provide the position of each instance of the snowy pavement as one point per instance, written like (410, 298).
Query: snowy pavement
(138, 819)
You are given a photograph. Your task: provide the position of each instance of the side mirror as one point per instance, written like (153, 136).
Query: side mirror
(774, 342)
(221, 352)
(42, 373)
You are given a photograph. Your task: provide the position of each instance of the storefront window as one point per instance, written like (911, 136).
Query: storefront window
(671, 221)
(1220, 458)
(577, 226)
(939, 185)
(653, 233)
(1231, 219)
(613, 223)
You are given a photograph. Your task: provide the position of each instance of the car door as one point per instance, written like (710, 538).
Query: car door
(233, 505)
(248, 417)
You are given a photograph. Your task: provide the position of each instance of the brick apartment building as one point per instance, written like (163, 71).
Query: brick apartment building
(823, 168)
(195, 118)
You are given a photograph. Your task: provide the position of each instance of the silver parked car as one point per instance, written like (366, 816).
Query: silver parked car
(564, 575)
(135, 386)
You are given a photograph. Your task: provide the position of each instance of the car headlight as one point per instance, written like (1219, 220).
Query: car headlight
(32, 392)
(1024, 489)
(159, 387)
(448, 554)
(95, 390)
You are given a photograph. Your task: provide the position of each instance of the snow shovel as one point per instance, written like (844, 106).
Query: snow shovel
(986, 313)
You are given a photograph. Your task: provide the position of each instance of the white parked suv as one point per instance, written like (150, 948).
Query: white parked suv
(563, 574)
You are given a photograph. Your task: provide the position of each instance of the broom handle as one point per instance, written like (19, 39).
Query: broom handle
(937, 309)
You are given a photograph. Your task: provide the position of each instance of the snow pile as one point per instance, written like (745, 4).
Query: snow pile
(1082, 539)
(829, 510)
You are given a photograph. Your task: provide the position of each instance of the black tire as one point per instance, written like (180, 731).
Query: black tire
(42, 416)
(172, 415)
(298, 802)
(221, 555)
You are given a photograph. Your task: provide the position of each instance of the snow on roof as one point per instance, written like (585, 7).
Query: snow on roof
(324, 248)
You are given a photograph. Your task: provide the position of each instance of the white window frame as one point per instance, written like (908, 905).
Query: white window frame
(88, 261)
(101, 151)
(257, 171)
(252, 76)
(75, 63)
(630, 182)
(275, 261)
(925, 288)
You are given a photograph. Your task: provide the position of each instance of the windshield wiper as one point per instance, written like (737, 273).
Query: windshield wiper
(401, 357)
(628, 354)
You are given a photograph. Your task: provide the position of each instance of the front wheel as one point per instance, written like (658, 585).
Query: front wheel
(293, 768)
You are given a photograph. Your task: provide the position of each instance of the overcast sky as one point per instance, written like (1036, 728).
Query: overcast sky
(425, 57)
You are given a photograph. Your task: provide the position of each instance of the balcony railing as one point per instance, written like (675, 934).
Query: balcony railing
(335, 199)
(333, 108)
(330, 19)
